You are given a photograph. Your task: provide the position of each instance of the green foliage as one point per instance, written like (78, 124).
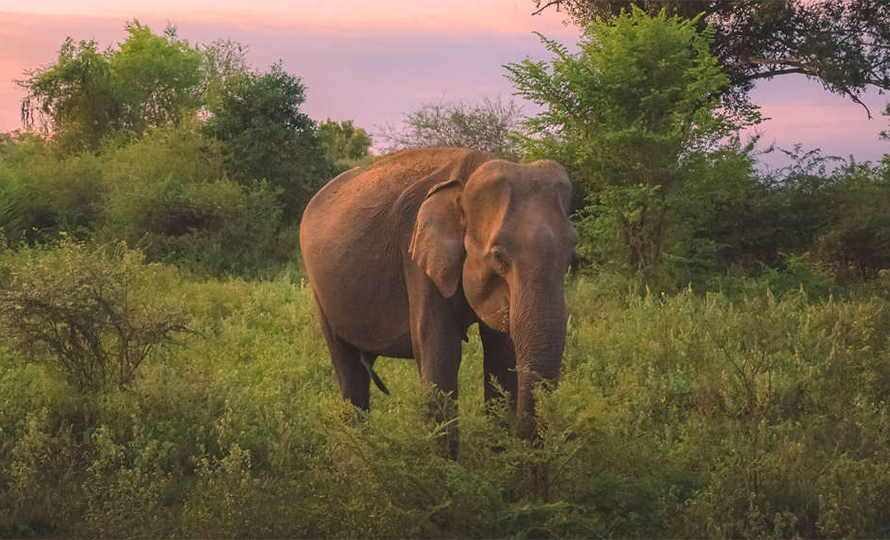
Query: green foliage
(751, 221)
(158, 77)
(45, 193)
(264, 135)
(800, 274)
(855, 237)
(344, 144)
(625, 115)
(88, 95)
(844, 43)
(90, 312)
(168, 194)
(189, 154)
(77, 96)
(224, 66)
(677, 415)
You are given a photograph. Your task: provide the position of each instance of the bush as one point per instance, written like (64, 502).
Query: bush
(169, 196)
(800, 273)
(43, 193)
(93, 312)
(855, 239)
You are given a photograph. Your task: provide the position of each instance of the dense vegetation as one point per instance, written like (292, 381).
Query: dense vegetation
(162, 374)
(759, 411)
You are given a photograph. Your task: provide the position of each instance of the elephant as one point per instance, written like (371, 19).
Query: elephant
(405, 255)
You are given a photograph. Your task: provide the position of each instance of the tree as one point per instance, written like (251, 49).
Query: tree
(224, 66)
(92, 100)
(489, 126)
(624, 115)
(76, 97)
(843, 43)
(855, 237)
(89, 94)
(158, 77)
(343, 143)
(265, 135)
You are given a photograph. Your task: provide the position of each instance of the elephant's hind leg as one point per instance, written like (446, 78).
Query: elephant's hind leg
(352, 376)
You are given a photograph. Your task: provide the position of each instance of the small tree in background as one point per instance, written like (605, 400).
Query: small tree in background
(224, 67)
(344, 144)
(624, 115)
(490, 126)
(75, 97)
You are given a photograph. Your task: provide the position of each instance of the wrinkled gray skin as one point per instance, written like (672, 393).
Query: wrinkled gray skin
(405, 255)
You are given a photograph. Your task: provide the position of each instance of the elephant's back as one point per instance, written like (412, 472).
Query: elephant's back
(382, 198)
(354, 237)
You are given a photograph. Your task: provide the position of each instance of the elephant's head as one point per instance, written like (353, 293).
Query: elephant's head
(506, 234)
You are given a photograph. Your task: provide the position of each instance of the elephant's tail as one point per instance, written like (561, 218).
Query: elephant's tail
(373, 375)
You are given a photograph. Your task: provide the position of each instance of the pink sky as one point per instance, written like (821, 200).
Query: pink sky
(371, 61)
(338, 16)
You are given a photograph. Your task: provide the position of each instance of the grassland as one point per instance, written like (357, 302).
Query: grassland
(745, 413)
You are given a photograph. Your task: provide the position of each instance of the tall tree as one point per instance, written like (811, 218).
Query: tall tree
(843, 43)
(87, 94)
(76, 97)
(625, 114)
(265, 135)
(158, 77)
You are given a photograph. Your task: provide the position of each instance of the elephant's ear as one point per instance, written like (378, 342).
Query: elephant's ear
(438, 242)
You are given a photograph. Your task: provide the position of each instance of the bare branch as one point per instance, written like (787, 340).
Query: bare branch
(855, 99)
(547, 5)
(775, 72)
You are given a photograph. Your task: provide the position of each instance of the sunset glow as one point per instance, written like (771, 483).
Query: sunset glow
(373, 61)
(338, 16)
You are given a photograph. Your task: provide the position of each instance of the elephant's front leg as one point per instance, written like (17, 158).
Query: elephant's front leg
(499, 363)
(436, 333)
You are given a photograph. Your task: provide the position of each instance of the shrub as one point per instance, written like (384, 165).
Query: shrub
(168, 195)
(800, 273)
(93, 312)
(756, 414)
(42, 193)
(855, 239)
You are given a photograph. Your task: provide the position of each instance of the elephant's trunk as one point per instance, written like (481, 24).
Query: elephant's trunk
(538, 331)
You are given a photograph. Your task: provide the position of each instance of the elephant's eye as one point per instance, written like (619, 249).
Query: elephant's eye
(501, 265)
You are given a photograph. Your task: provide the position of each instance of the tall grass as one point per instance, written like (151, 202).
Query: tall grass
(678, 415)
